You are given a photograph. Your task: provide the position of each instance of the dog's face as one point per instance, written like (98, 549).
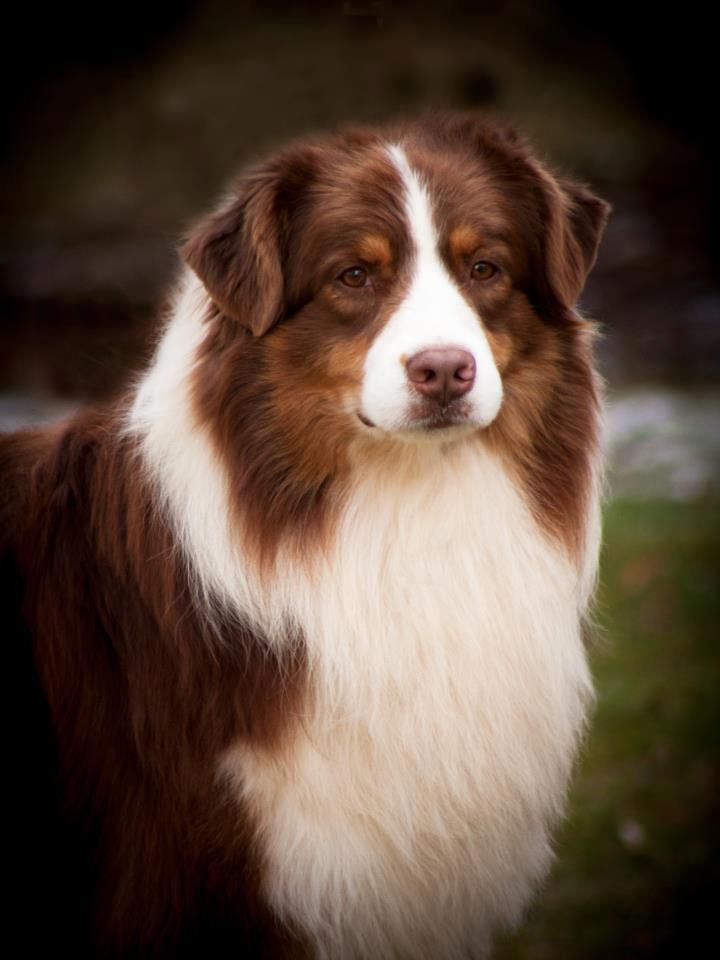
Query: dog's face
(401, 283)
(404, 275)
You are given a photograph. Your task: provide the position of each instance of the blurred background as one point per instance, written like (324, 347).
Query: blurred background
(123, 125)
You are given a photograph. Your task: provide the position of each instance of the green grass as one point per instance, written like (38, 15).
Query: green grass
(637, 871)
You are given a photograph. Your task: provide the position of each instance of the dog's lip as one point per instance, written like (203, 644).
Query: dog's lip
(363, 419)
(440, 423)
(455, 414)
(442, 420)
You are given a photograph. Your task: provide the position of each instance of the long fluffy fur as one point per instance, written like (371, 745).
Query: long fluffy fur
(306, 687)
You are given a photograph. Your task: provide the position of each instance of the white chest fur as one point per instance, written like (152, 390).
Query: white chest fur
(409, 816)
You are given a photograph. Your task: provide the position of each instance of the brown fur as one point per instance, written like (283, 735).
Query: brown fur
(143, 694)
(135, 689)
(275, 405)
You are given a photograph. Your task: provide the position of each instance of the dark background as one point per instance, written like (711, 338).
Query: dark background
(124, 123)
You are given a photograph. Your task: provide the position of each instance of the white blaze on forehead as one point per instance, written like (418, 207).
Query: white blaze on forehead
(433, 313)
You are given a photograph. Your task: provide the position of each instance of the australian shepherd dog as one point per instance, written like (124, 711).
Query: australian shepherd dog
(299, 618)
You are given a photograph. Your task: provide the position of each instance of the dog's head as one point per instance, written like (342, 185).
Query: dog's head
(404, 275)
(414, 282)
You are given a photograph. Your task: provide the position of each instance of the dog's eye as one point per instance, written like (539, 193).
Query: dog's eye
(354, 277)
(483, 270)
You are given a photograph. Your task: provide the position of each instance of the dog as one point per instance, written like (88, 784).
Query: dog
(299, 617)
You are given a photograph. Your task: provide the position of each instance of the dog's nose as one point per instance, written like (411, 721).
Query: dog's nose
(441, 373)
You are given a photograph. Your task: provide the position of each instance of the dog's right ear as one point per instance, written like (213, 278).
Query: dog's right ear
(238, 251)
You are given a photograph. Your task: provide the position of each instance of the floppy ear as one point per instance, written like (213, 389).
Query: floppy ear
(572, 219)
(576, 220)
(238, 251)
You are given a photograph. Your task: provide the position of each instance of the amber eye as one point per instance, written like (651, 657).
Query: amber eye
(483, 270)
(354, 277)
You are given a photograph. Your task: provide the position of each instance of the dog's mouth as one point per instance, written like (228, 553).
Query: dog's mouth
(440, 423)
(429, 417)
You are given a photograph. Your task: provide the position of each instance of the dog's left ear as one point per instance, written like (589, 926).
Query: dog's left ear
(576, 220)
(238, 252)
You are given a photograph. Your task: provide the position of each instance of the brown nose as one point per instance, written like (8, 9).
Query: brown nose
(441, 373)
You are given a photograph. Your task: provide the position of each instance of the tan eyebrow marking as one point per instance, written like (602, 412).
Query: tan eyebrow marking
(463, 240)
(375, 248)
